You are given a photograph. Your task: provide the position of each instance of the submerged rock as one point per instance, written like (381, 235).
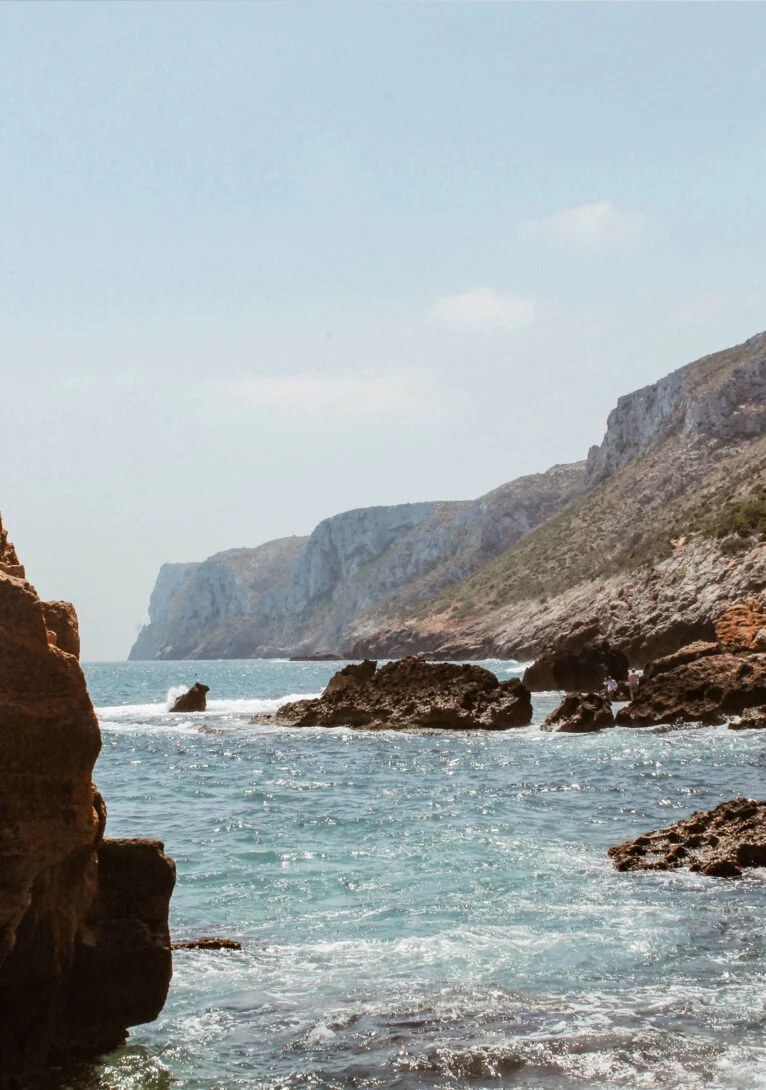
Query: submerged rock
(412, 693)
(706, 690)
(208, 944)
(84, 942)
(580, 714)
(718, 843)
(194, 700)
(578, 671)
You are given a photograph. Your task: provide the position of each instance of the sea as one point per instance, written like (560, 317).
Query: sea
(428, 910)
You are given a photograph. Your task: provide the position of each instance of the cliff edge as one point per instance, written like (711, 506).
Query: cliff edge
(84, 942)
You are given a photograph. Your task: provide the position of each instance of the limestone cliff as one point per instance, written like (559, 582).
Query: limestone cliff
(312, 591)
(84, 944)
(668, 532)
(532, 565)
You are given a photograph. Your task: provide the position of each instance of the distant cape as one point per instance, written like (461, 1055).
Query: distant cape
(642, 543)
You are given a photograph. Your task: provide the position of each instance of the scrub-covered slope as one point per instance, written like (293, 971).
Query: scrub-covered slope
(666, 534)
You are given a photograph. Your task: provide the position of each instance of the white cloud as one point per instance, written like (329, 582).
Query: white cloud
(598, 224)
(326, 395)
(486, 308)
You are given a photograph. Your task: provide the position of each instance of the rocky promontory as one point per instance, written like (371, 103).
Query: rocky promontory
(412, 693)
(84, 943)
(719, 843)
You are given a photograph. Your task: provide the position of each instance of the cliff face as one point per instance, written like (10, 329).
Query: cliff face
(313, 591)
(84, 944)
(502, 574)
(668, 532)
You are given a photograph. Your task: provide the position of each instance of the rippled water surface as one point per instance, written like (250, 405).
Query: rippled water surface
(429, 910)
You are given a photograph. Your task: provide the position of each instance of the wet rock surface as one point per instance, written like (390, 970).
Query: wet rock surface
(411, 693)
(705, 690)
(208, 943)
(195, 700)
(719, 843)
(580, 714)
(582, 670)
(754, 719)
(84, 947)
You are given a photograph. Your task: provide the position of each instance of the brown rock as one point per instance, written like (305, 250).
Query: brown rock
(578, 714)
(718, 843)
(739, 627)
(700, 649)
(755, 719)
(51, 877)
(353, 674)
(194, 700)
(208, 944)
(705, 690)
(582, 670)
(61, 618)
(410, 693)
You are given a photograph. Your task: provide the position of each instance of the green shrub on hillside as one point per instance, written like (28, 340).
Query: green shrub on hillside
(743, 518)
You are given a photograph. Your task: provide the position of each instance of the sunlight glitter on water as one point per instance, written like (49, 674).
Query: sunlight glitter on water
(428, 910)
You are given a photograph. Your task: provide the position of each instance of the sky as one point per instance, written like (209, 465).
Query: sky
(261, 263)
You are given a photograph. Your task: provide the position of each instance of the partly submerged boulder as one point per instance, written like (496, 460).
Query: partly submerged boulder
(583, 670)
(84, 942)
(580, 714)
(194, 700)
(705, 690)
(718, 843)
(754, 719)
(411, 693)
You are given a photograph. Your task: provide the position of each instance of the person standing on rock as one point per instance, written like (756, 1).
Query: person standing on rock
(611, 688)
(633, 680)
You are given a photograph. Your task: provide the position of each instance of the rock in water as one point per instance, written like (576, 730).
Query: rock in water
(578, 714)
(84, 942)
(412, 693)
(755, 719)
(577, 671)
(208, 944)
(718, 843)
(194, 700)
(706, 690)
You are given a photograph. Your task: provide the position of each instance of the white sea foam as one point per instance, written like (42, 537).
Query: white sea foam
(160, 714)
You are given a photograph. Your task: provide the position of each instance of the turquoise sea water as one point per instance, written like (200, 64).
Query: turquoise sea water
(429, 910)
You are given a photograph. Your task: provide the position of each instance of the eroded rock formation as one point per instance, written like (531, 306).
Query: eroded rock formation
(84, 944)
(578, 670)
(718, 843)
(412, 693)
(705, 689)
(580, 714)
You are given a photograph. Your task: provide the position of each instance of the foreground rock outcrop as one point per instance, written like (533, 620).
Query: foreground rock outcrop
(412, 693)
(84, 943)
(580, 714)
(719, 843)
(705, 689)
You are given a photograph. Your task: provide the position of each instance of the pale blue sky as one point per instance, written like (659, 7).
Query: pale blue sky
(263, 262)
